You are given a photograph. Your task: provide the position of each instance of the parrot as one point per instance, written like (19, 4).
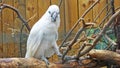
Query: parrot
(42, 40)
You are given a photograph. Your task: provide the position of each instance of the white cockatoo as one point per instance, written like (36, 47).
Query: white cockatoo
(42, 39)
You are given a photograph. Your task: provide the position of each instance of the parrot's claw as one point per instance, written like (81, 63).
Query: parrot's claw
(59, 55)
(46, 61)
(68, 58)
(47, 64)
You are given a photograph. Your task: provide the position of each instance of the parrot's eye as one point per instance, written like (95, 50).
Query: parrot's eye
(49, 12)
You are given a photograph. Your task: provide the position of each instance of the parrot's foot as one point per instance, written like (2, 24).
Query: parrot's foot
(59, 55)
(47, 64)
(69, 58)
(66, 58)
(45, 60)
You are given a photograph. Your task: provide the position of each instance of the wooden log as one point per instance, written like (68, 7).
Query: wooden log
(105, 55)
(23, 63)
(33, 63)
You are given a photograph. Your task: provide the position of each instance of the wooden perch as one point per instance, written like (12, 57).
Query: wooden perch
(20, 63)
(83, 62)
(35, 63)
(23, 63)
(110, 56)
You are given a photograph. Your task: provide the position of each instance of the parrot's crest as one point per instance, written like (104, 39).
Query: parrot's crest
(53, 8)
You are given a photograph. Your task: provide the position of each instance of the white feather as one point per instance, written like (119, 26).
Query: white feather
(43, 36)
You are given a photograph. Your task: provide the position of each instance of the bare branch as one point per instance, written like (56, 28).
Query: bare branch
(84, 14)
(60, 2)
(82, 39)
(110, 40)
(100, 13)
(101, 33)
(3, 6)
(81, 48)
(31, 17)
(75, 38)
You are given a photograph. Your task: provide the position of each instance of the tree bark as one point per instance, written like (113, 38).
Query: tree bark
(23, 63)
(35, 63)
(110, 56)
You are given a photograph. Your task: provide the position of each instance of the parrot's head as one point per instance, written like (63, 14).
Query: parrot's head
(54, 13)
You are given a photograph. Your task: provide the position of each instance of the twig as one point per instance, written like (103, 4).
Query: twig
(98, 15)
(82, 39)
(103, 20)
(71, 43)
(79, 52)
(110, 40)
(75, 38)
(31, 17)
(112, 6)
(3, 6)
(21, 40)
(108, 16)
(60, 2)
(108, 47)
(101, 33)
(78, 21)
(117, 8)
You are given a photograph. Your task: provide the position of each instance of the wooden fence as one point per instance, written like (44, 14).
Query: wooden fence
(32, 10)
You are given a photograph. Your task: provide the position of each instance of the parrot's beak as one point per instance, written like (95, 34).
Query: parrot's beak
(54, 16)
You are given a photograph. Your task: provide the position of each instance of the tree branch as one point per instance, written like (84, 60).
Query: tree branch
(3, 6)
(75, 38)
(78, 21)
(86, 50)
(110, 56)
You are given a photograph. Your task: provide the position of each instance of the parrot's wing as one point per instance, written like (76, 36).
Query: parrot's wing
(33, 42)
